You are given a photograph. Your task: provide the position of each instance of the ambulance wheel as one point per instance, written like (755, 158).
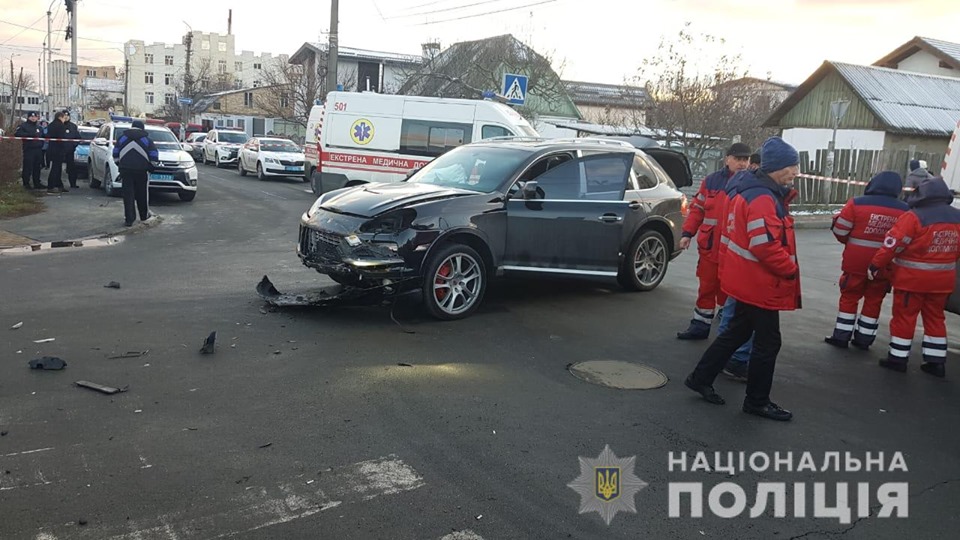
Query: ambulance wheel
(645, 263)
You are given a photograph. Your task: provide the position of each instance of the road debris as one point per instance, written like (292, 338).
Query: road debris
(130, 354)
(46, 340)
(209, 344)
(81, 522)
(48, 362)
(16, 326)
(3, 433)
(112, 285)
(404, 364)
(101, 388)
(327, 296)
(266, 445)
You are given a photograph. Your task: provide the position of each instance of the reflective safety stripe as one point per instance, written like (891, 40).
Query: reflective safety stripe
(846, 316)
(794, 259)
(845, 223)
(755, 224)
(934, 352)
(133, 147)
(906, 239)
(709, 221)
(923, 266)
(868, 320)
(937, 340)
(898, 353)
(840, 232)
(741, 251)
(894, 340)
(866, 331)
(759, 240)
(844, 327)
(724, 240)
(865, 243)
(704, 318)
(701, 197)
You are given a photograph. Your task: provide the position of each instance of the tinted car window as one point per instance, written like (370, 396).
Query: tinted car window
(232, 137)
(278, 146)
(424, 138)
(561, 182)
(605, 178)
(646, 178)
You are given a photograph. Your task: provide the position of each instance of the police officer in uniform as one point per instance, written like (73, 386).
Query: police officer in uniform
(136, 154)
(32, 151)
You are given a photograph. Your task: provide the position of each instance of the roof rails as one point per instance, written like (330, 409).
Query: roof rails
(568, 140)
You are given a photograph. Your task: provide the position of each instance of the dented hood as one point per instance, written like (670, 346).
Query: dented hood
(373, 199)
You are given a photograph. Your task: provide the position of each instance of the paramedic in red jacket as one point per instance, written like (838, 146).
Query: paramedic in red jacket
(922, 250)
(861, 226)
(702, 223)
(759, 270)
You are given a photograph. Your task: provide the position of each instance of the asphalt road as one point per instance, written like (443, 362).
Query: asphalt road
(303, 425)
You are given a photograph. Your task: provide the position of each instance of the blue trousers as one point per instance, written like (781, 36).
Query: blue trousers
(743, 353)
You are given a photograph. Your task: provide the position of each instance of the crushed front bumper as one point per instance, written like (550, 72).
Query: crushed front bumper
(367, 262)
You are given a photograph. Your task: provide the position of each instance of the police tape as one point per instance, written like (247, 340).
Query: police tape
(45, 139)
(840, 180)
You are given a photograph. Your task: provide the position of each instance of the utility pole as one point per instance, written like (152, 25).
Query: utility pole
(49, 52)
(333, 47)
(74, 72)
(187, 86)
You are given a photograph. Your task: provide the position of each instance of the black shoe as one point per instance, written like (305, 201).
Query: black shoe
(707, 392)
(937, 370)
(39, 186)
(736, 370)
(838, 343)
(771, 411)
(696, 330)
(861, 346)
(895, 366)
(128, 224)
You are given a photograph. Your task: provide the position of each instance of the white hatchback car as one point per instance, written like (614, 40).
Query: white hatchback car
(222, 146)
(270, 157)
(176, 172)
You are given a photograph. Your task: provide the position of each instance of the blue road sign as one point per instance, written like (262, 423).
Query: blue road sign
(185, 101)
(515, 88)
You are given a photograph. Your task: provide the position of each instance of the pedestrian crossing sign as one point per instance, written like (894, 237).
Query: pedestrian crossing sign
(515, 88)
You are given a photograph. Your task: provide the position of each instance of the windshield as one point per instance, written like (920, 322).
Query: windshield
(88, 135)
(528, 131)
(232, 137)
(477, 168)
(279, 146)
(163, 138)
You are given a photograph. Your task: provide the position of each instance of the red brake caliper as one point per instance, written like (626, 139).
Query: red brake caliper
(443, 271)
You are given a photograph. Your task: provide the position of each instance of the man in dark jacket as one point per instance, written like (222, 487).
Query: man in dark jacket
(136, 154)
(71, 132)
(32, 151)
(55, 151)
(759, 270)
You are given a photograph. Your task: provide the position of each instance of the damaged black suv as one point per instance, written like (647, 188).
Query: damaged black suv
(579, 207)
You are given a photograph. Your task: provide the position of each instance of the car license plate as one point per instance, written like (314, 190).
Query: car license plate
(293, 169)
(161, 177)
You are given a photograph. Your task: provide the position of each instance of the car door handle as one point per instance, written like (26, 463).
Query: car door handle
(610, 218)
(634, 205)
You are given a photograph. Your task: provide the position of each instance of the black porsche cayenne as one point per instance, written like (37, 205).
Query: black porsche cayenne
(579, 207)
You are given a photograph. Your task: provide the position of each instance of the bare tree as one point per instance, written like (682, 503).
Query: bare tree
(101, 101)
(701, 98)
(199, 83)
(469, 69)
(293, 88)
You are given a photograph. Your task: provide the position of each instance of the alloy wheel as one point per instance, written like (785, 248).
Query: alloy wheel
(650, 261)
(457, 283)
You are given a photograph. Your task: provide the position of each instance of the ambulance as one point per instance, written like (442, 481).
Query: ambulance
(360, 137)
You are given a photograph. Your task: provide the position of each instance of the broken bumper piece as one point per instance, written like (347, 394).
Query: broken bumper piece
(334, 295)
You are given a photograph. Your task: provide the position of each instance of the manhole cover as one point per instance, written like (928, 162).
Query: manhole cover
(616, 374)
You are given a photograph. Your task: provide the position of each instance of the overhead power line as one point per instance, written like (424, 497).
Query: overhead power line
(442, 10)
(485, 13)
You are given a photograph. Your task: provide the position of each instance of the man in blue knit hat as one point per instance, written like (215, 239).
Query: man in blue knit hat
(760, 271)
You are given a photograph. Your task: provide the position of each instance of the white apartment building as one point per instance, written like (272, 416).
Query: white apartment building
(156, 70)
(59, 80)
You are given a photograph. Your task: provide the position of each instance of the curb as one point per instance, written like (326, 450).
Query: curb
(108, 238)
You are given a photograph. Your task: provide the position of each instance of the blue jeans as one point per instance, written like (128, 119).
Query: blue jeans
(742, 354)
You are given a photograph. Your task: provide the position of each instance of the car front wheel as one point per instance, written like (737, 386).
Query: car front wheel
(645, 264)
(260, 175)
(454, 282)
(243, 172)
(94, 183)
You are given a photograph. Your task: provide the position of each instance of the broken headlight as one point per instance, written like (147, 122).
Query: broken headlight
(390, 223)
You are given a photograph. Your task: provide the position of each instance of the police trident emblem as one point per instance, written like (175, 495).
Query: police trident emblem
(607, 485)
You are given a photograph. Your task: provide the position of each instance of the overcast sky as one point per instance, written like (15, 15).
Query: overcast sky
(594, 40)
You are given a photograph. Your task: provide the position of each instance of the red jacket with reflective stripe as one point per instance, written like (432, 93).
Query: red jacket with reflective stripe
(864, 222)
(924, 244)
(705, 212)
(760, 262)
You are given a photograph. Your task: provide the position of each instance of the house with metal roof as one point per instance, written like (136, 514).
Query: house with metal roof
(615, 105)
(360, 69)
(924, 55)
(897, 114)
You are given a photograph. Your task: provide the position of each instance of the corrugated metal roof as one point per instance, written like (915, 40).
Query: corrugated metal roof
(950, 49)
(103, 85)
(587, 93)
(367, 54)
(908, 103)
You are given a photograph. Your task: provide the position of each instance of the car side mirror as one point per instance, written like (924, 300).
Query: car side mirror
(529, 190)
(186, 147)
(100, 141)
